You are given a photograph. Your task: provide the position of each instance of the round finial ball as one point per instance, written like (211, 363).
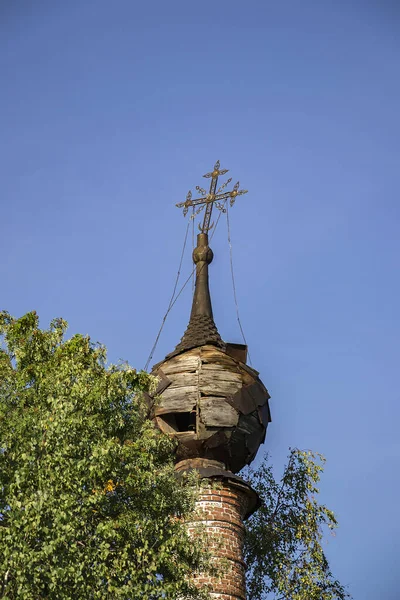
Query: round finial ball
(215, 173)
(203, 254)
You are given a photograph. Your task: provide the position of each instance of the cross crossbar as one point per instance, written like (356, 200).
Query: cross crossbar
(214, 196)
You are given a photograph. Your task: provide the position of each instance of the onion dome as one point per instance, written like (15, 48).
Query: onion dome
(208, 398)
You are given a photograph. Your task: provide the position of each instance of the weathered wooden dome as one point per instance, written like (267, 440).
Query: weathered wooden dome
(214, 404)
(208, 398)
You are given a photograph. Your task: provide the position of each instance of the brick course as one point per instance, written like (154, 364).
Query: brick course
(221, 508)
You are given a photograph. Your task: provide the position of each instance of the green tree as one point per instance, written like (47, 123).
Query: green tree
(89, 504)
(284, 543)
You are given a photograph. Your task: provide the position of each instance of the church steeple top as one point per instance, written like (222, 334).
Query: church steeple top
(208, 398)
(213, 404)
(202, 329)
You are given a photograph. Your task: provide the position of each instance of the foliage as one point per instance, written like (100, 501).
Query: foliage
(89, 504)
(283, 548)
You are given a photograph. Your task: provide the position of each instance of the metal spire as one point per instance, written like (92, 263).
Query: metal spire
(201, 329)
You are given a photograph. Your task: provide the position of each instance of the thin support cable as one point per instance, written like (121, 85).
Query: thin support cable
(173, 297)
(233, 282)
(193, 250)
(171, 302)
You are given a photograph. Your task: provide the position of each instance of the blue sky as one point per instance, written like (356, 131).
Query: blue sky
(111, 112)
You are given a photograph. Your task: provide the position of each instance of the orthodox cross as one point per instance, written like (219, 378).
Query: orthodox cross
(214, 196)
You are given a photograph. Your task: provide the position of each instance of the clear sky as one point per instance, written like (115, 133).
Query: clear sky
(111, 111)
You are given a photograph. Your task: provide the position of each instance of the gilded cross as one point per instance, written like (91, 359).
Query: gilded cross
(214, 196)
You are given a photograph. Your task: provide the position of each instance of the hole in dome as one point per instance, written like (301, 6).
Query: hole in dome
(181, 421)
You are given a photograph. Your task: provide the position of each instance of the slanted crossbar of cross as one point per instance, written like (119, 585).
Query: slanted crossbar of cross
(214, 196)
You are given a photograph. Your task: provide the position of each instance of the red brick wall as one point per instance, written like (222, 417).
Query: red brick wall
(221, 507)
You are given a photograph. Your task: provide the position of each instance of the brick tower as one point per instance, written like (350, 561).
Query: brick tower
(216, 407)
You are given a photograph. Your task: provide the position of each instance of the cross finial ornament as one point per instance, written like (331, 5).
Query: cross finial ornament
(214, 196)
